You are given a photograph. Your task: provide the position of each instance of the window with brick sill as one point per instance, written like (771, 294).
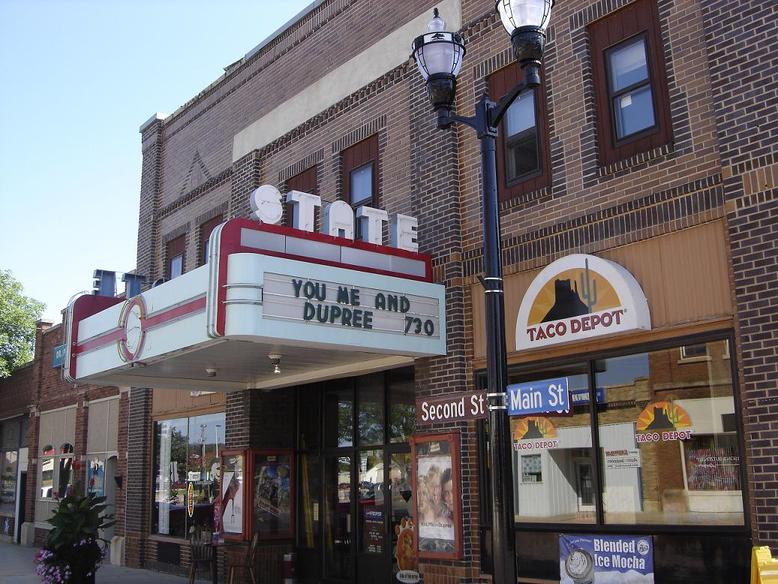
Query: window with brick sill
(174, 265)
(205, 235)
(305, 182)
(630, 82)
(360, 174)
(522, 145)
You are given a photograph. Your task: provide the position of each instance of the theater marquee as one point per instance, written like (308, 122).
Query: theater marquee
(580, 297)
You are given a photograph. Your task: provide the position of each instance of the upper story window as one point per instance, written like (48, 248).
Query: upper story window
(174, 263)
(205, 236)
(522, 151)
(305, 182)
(360, 173)
(629, 75)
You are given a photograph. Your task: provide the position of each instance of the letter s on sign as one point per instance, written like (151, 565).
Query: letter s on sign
(266, 204)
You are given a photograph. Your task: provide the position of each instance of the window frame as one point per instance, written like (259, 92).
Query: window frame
(354, 158)
(306, 181)
(600, 526)
(188, 416)
(499, 83)
(637, 20)
(205, 230)
(174, 248)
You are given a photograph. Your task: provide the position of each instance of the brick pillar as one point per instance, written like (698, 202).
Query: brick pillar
(138, 477)
(150, 197)
(246, 176)
(745, 101)
(121, 463)
(435, 202)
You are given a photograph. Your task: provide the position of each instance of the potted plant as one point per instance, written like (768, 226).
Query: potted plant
(73, 549)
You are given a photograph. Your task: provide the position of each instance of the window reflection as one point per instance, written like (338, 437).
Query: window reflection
(552, 464)
(667, 454)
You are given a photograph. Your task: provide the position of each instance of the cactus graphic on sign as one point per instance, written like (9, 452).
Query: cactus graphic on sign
(588, 288)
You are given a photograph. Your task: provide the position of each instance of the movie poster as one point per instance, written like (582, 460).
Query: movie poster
(232, 489)
(435, 505)
(272, 494)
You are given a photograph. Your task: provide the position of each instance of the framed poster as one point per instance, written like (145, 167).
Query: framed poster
(232, 495)
(436, 484)
(273, 493)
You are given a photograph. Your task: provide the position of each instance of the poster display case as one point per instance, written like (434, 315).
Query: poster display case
(436, 480)
(273, 493)
(232, 495)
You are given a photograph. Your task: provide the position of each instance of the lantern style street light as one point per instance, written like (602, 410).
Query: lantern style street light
(439, 55)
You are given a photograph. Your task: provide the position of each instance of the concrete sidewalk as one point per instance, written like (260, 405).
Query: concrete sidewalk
(17, 567)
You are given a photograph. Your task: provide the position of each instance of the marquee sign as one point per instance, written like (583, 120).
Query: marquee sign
(580, 297)
(331, 302)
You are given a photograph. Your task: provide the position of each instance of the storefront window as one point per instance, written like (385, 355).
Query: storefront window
(402, 405)
(339, 416)
(552, 455)
(669, 451)
(186, 454)
(9, 454)
(8, 467)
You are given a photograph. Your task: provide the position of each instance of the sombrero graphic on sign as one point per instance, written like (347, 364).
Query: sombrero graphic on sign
(533, 433)
(663, 421)
(579, 297)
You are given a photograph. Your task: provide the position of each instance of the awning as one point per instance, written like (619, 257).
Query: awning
(328, 306)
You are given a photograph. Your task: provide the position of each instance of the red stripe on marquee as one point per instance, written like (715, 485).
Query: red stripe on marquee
(149, 323)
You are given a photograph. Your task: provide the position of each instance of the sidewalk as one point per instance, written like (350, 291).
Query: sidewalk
(17, 567)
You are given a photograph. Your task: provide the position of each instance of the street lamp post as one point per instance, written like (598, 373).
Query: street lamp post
(439, 55)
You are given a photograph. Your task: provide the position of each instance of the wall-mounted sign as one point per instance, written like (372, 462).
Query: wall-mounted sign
(586, 559)
(663, 421)
(580, 297)
(469, 405)
(58, 356)
(539, 397)
(341, 305)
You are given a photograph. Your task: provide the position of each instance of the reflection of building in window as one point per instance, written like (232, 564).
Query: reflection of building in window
(531, 471)
(186, 452)
(694, 352)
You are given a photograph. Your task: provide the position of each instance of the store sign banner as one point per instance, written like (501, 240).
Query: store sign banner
(343, 305)
(58, 356)
(606, 559)
(539, 397)
(580, 297)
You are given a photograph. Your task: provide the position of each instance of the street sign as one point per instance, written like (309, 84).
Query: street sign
(545, 396)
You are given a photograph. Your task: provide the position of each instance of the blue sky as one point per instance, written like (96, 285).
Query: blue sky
(77, 80)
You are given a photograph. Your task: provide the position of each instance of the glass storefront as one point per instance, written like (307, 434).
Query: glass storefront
(186, 470)
(650, 444)
(666, 442)
(354, 469)
(11, 438)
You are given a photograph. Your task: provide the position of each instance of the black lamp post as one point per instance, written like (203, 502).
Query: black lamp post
(439, 56)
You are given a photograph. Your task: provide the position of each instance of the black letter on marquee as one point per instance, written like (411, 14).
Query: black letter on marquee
(342, 295)
(297, 284)
(309, 311)
(380, 301)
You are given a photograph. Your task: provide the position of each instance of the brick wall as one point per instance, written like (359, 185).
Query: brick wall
(743, 60)
(720, 62)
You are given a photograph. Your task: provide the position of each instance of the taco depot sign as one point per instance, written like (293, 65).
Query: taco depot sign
(580, 297)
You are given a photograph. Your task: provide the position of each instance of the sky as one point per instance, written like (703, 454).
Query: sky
(77, 79)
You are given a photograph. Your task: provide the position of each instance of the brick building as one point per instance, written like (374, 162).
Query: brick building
(637, 189)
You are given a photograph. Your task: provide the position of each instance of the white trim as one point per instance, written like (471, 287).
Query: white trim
(102, 399)
(62, 409)
(381, 56)
(22, 415)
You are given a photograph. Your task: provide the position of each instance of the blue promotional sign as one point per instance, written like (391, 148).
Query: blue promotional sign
(606, 559)
(58, 356)
(539, 397)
